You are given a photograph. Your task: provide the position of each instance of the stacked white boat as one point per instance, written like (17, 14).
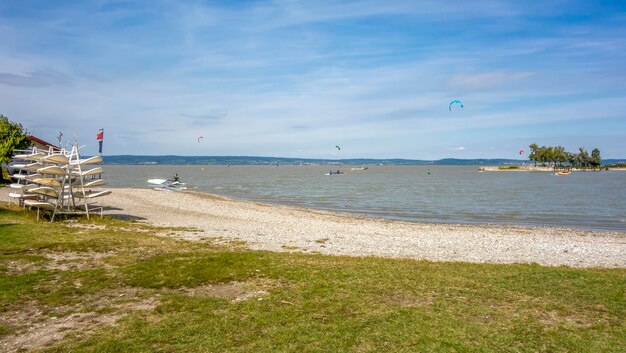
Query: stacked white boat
(57, 181)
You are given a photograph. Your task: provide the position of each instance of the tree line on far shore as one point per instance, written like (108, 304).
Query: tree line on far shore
(557, 156)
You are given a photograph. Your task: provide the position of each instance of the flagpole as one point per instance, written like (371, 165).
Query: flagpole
(59, 138)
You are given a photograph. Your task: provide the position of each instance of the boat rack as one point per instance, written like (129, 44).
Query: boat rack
(56, 182)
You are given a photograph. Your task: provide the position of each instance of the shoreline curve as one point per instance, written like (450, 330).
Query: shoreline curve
(280, 228)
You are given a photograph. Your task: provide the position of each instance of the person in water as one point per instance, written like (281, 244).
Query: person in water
(175, 178)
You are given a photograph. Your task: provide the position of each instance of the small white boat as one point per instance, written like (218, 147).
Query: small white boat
(23, 187)
(53, 169)
(30, 157)
(93, 171)
(16, 167)
(167, 185)
(93, 183)
(90, 160)
(17, 196)
(91, 194)
(33, 166)
(45, 190)
(39, 204)
(47, 182)
(157, 181)
(56, 158)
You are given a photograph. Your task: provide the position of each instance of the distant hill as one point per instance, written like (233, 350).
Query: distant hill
(252, 160)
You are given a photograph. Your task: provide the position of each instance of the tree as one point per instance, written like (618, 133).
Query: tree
(596, 160)
(543, 155)
(534, 153)
(548, 154)
(583, 157)
(571, 159)
(12, 136)
(560, 155)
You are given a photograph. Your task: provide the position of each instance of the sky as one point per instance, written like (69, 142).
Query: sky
(297, 78)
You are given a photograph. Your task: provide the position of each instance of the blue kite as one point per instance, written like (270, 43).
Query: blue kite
(456, 101)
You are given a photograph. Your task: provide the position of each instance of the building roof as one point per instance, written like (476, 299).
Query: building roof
(40, 141)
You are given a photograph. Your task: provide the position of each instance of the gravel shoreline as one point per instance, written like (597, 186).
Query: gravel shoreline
(286, 228)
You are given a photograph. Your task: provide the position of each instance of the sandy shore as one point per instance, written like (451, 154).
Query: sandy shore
(282, 228)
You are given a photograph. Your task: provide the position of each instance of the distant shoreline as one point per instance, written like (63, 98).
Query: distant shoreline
(260, 160)
(540, 169)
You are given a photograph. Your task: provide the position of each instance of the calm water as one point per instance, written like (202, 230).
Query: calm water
(449, 194)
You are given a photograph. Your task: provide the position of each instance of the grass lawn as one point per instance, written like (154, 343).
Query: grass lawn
(117, 286)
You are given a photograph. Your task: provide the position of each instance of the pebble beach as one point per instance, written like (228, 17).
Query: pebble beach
(271, 227)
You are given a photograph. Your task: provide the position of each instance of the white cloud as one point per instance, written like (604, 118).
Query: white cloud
(487, 79)
(280, 77)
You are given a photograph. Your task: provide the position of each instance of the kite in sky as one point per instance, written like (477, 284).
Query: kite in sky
(456, 101)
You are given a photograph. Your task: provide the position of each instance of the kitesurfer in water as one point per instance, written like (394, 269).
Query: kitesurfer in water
(175, 178)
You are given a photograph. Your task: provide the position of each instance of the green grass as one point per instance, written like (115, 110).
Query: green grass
(292, 302)
(508, 167)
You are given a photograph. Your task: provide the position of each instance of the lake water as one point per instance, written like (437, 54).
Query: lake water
(443, 194)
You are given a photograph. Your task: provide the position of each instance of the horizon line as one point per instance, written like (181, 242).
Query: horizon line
(326, 159)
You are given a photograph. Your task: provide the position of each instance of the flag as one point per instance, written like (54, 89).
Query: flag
(99, 138)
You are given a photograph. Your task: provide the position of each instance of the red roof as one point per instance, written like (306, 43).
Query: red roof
(40, 141)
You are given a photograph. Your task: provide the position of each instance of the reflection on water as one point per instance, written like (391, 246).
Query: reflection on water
(449, 194)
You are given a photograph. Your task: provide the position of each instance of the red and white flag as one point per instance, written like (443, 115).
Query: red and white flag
(99, 138)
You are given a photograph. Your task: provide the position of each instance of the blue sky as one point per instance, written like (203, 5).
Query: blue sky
(294, 79)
